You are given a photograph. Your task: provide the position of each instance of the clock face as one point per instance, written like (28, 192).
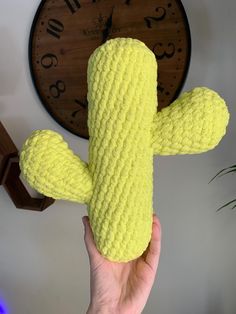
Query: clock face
(66, 32)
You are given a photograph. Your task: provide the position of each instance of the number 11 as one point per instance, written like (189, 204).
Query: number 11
(73, 5)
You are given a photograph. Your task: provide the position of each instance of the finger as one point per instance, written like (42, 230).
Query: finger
(94, 255)
(154, 248)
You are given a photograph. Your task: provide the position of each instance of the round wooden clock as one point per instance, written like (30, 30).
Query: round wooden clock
(65, 33)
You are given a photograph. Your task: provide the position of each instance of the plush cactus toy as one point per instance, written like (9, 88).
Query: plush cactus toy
(125, 131)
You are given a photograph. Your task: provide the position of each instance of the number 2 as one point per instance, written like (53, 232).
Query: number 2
(150, 19)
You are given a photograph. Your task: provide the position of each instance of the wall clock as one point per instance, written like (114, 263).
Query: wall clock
(65, 33)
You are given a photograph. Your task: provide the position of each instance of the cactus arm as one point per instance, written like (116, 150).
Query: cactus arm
(51, 168)
(192, 124)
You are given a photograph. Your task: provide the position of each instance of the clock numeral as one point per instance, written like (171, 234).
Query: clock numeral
(84, 105)
(151, 19)
(55, 27)
(73, 5)
(161, 52)
(57, 89)
(48, 60)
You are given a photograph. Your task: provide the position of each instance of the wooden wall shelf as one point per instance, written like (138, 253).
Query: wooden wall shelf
(10, 176)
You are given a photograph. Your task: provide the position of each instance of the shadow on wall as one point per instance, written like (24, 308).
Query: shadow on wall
(10, 63)
(201, 38)
(201, 26)
(13, 125)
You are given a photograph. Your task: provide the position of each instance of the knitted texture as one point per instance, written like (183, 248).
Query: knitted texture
(125, 132)
(51, 168)
(120, 153)
(193, 123)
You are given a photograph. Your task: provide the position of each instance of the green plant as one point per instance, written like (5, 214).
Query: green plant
(220, 174)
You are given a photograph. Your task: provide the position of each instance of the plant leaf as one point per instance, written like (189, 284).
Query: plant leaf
(218, 173)
(233, 207)
(233, 170)
(226, 205)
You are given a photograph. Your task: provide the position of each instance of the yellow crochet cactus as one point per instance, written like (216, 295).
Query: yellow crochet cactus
(125, 132)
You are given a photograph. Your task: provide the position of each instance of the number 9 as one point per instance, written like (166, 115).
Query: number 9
(48, 60)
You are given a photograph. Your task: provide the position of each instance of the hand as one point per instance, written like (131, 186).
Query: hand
(121, 287)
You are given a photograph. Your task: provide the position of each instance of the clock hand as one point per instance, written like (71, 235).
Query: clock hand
(108, 24)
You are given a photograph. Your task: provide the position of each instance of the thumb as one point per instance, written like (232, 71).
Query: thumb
(93, 253)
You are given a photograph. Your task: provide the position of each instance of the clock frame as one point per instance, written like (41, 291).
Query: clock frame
(64, 33)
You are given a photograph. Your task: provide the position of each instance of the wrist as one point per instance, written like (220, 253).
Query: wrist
(101, 309)
(98, 309)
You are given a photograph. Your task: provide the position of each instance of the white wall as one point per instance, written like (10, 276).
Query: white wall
(43, 263)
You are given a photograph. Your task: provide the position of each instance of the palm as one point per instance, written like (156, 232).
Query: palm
(125, 285)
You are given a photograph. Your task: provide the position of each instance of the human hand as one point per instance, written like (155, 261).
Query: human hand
(121, 288)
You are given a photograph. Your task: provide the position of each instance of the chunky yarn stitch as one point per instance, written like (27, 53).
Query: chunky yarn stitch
(125, 132)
